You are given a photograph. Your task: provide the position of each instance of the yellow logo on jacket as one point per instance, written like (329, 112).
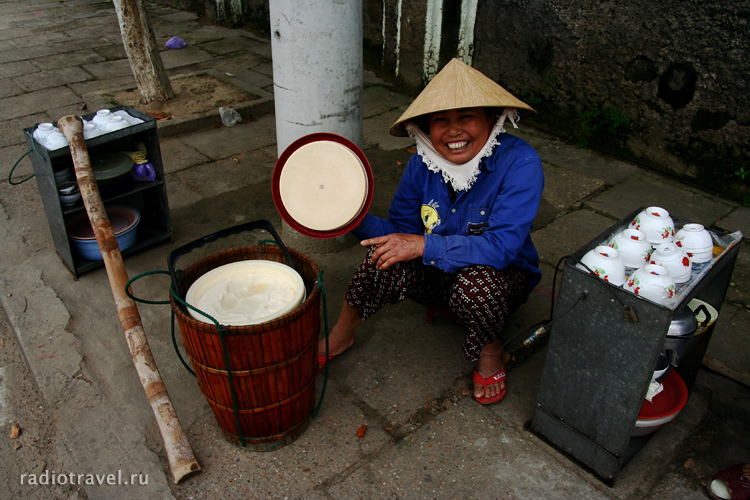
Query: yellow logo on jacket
(430, 217)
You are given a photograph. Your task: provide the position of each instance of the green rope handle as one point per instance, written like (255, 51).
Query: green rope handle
(144, 301)
(10, 181)
(221, 330)
(33, 148)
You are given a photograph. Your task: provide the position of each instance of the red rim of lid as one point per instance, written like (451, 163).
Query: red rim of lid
(302, 141)
(669, 401)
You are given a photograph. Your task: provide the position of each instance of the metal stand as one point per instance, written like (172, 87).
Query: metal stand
(149, 198)
(599, 363)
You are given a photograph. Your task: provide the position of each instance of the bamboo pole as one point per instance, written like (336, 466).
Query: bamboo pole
(182, 461)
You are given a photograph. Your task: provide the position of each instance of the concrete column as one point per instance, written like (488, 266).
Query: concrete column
(317, 74)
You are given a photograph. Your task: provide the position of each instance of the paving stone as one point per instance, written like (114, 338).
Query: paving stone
(179, 17)
(9, 87)
(564, 189)
(238, 171)
(78, 58)
(11, 131)
(109, 69)
(465, 442)
(49, 38)
(229, 45)
(23, 54)
(376, 132)
(11, 69)
(90, 44)
(378, 99)
(599, 166)
(10, 156)
(568, 233)
(183, 57)
(120, 82)
(48, 79)
(221, 142)
(737, 220)
(178, 155)
(112, 52)
(37, 102)
(646, 189)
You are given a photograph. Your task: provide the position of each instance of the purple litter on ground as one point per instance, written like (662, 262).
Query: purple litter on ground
(176, 43)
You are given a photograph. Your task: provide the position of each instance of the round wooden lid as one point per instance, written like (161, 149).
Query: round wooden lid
(322, 185)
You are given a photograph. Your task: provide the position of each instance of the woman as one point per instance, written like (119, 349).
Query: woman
(457, 232)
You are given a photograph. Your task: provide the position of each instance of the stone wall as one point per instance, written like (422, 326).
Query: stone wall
(662, 83)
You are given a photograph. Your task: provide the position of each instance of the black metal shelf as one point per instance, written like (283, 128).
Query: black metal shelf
(149, 198)
(598, 365)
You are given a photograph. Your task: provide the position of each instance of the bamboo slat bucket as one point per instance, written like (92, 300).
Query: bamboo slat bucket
(272, 366)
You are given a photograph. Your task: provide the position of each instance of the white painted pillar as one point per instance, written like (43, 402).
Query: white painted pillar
(317, 68)
(316, 46)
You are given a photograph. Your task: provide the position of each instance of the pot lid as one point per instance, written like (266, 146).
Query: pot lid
(683, 324)
(322, 185)
(669, 401)
(111, 165)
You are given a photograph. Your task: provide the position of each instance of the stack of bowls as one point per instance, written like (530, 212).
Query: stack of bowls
(696, 241)
(656, 224)
(675, 259)
(123, 219)
(605, 262)
(653, 283)
(633, 247)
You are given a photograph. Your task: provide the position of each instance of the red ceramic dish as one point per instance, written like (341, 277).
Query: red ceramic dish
(278, 198)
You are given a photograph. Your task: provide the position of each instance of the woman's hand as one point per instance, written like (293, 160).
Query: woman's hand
(395, 247)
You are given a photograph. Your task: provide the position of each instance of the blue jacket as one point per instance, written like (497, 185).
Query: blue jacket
(489, 224)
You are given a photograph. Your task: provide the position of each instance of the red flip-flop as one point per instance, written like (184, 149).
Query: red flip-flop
(732, 478)
(322, 360)
(492, 379)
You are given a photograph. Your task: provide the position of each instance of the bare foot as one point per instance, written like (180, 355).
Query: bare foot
(339, 340)
(341, 336)
(490, 362)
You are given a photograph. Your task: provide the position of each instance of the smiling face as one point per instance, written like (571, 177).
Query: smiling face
(460, 134)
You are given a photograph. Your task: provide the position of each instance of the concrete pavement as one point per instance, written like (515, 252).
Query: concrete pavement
(403, 378)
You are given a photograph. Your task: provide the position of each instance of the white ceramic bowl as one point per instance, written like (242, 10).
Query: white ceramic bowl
(675, 259)
(633, 247)
(116, 122)
(656, 224)
(101, 118)
(90, 131)
(69, 193)
(247, 292)
(696, 241)
(651, 282)
(606, 263)
(55, 140)
(42, 131)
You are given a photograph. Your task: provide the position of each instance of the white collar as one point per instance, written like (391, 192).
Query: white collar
(460, 176)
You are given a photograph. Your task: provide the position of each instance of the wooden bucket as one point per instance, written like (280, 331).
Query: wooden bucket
(273, 365)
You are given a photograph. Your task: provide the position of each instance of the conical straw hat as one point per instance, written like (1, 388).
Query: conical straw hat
(458, 85)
